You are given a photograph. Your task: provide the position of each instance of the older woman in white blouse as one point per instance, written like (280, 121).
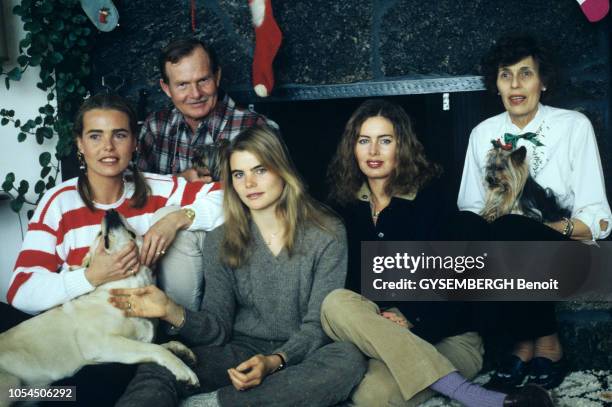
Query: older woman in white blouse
(563, 156)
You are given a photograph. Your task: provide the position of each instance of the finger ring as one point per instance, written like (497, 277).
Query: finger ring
(133, 271)
(158, 253)
(130, 270)
(163, 252)
(129, 305)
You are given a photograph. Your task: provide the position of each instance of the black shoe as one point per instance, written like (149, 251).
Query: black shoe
(509, 375)
(530, 395)
(546, 373)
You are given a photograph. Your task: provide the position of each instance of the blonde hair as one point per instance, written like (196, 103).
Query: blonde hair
(295, 207)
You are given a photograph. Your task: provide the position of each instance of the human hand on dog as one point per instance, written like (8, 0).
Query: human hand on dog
(105, 267)
(146, 302)
(251, 372)
(393, 317)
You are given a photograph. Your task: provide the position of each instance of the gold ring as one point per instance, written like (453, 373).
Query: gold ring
(129, 305)
(130, 270)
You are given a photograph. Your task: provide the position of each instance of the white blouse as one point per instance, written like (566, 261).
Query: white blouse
(568, 163)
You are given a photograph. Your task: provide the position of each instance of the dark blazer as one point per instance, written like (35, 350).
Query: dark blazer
(424, 217)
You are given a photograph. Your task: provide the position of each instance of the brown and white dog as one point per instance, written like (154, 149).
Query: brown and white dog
(511, 190)
(88, 330)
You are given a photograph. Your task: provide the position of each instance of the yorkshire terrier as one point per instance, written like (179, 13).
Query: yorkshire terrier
(207, 159)
(510, 189)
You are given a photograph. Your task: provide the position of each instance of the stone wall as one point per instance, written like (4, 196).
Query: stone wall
(337, 41)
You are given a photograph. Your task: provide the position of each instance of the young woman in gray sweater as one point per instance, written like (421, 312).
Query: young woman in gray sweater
(257, 336)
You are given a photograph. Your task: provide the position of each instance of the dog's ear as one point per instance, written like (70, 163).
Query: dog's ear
(518, 155)
(87, 259)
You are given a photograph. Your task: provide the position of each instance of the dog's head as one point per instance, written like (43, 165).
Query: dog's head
(505, 175)
(506, 171)
(114, 235)
(207, 159)
(115, 232)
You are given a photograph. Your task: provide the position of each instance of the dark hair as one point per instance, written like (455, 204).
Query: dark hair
(412, 172)
(180, 48)
(509, 50)
(106, 101)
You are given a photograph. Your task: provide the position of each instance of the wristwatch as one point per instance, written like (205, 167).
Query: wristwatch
(282, 365)
(190, 213)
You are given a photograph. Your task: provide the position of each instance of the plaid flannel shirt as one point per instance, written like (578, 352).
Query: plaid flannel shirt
(166, 141)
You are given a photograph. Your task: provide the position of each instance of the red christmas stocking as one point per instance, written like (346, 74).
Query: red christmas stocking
(268, 38)
(594, 10)
(102, 13)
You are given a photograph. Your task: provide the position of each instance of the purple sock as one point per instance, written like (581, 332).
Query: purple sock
(458, 388)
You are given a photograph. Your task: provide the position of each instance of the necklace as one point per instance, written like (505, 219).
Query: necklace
(375, 213)
(272, 236)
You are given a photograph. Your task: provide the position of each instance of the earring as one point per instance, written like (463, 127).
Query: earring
(82, 164)
(133, 159)
(544, 89)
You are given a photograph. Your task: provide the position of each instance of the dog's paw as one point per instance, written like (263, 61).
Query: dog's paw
(193, 380)
(182, 351)
(180, 370)
(166, 358)
(185, 374)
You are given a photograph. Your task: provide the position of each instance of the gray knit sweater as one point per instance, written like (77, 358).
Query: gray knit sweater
(276, 299)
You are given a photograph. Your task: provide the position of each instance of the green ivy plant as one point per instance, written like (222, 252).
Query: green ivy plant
(58, 39)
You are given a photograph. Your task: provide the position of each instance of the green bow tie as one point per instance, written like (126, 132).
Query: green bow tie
(512, 139)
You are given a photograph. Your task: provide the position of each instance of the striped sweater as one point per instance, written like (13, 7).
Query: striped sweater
(48, 270)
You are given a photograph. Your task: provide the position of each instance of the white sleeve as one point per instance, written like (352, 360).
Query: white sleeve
(44, 290)
(209, 211)
(587, 181)
(472, 192)
(41, 279)
(206, 200)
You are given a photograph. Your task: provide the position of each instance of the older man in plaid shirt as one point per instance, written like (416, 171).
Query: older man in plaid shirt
(202, 113)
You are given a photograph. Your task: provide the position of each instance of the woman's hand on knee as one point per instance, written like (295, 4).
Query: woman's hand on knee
(161, 235)
(393, 317)
(157, 240)
(251, 372)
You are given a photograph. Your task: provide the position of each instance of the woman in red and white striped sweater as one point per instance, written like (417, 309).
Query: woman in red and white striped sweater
(49, 268)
